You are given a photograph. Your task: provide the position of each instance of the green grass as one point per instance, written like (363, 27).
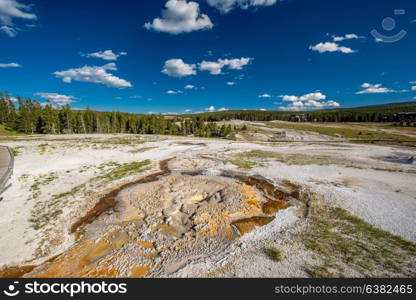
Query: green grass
(244, 164)
(41, 181)
(342, 131)
(343, 241)
(249, 160)
(274, 254)
(123, 170)
(16, 151)
(71, 193)
(6, 131)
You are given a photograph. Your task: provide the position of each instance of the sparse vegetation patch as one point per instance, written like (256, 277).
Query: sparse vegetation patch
(346, 243)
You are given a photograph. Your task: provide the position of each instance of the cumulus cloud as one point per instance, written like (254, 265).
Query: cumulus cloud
(189, 87)
(350, 36)
(10, 65)
(226, 5)
(215, 67)
(309, 101)
(331, 47)
(265, 96)
(231, 83)
(106, 55)
(213, 109)
(180, 16)
(13, 9)
(178, 68)
(172, 92)
(94, 74)
(378, 88)
(56, 99)
(210, 109)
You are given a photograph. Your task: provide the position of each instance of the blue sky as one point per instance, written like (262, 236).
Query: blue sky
(205, 55)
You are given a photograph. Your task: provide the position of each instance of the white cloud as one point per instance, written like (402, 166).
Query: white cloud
(231, 83)
(262, 109)
(226, 5)
(10, 31)
(106, 55)
(331, 47)
(413, 88)
(369, 88)
(188, 110)
(94, 74)
(266, 96)
(135, 97)
(179, 16)
(213, 109)
(210, 109)
(172, 92)
(289, 98)
(10, 65)
(12, 9)
(235, 63)
(309, 101)
(178, 68)
(317, 96)
(215, 67)
(189, 87)
(56, 99)
(350, 36)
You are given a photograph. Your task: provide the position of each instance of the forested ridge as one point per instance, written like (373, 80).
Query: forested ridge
(376, 113)
(30, 116)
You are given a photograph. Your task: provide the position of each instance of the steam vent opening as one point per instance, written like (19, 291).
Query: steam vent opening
(155, 226)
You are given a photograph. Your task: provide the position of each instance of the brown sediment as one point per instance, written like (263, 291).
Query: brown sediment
(259, 199)
(109, 201)
(15, 272)
(248, 225)
(261, 183)
(139, 271)
(104, 204)
(273, 206)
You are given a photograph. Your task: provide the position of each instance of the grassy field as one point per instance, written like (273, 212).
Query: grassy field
(344, 131)
(5, 131)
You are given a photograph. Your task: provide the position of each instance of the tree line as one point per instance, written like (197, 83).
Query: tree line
(32, 117)
(378, 113)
